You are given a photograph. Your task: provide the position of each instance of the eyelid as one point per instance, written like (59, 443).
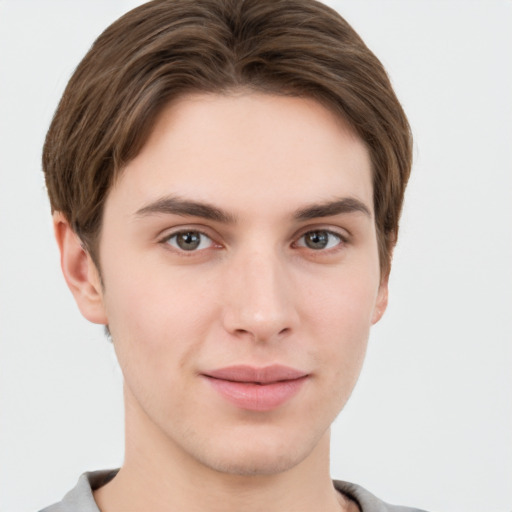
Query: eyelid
(344, 234)
(168, 232)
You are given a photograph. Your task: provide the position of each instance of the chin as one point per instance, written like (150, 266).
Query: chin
(254, 465)
(259, 455)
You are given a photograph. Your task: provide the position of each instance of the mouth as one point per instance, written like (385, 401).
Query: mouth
(257, 389)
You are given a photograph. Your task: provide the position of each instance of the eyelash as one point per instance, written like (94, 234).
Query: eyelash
(342, 240)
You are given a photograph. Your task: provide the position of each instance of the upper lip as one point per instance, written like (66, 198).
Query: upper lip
(260, 375)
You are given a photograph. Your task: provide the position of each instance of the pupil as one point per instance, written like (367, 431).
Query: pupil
(188, 241)
(317, 239)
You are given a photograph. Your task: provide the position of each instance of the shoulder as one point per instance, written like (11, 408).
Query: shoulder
(367, 501)
(80, 498)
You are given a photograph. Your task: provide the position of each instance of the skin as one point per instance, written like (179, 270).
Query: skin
(253, 293)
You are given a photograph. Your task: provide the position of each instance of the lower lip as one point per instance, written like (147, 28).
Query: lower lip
(257, 397)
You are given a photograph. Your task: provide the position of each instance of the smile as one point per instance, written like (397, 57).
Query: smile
(257, 389)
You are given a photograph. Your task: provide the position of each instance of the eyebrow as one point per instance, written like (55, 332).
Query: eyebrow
(336, 207)
(174, 205)
(177, 206)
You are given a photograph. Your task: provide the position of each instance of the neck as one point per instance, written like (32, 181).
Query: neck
(159, 475)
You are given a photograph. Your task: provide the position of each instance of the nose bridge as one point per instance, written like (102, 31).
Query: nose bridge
(259, 301)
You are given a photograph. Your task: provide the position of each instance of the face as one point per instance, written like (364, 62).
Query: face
(240, 279)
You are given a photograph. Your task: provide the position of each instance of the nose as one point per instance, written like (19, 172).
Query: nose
(258, 298)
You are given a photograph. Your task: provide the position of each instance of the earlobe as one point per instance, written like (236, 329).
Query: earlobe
(382, 301)
(80, 272)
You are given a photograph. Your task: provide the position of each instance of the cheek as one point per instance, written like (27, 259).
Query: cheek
(343, 303)
(340, 317)
(156, 323)
(158, 330)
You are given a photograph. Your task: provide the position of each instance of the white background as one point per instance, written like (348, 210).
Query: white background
(430, 423)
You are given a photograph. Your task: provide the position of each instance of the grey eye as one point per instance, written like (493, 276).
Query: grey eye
(189, 241)
(319, 239)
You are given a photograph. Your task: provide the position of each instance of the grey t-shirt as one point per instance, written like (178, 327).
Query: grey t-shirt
(80, 498)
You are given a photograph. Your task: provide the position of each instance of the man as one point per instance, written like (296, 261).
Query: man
(226, 180)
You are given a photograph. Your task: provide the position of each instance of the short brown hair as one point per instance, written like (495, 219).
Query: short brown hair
(167, 48)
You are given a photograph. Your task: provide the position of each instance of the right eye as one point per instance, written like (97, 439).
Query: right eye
(189, 241)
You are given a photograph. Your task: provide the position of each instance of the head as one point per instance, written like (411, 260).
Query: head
(165, 50)
(233, 172)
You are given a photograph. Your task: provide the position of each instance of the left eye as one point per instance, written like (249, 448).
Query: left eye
(319, 239)
(189, 241)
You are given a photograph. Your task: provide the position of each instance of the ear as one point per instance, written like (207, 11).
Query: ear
(381, 302)
(80, 272)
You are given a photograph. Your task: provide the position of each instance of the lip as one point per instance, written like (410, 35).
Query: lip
(257, 388)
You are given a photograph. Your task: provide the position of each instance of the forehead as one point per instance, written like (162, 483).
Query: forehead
(247, 149)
